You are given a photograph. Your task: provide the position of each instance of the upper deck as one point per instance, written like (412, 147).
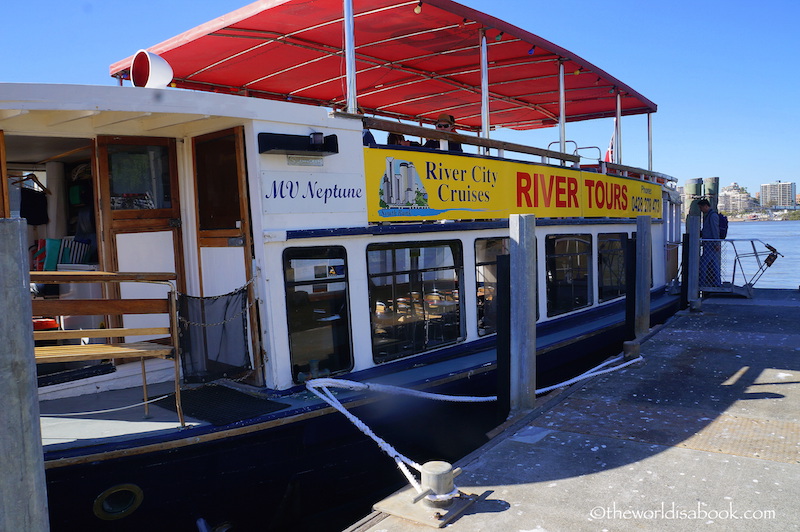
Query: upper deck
(301, 187)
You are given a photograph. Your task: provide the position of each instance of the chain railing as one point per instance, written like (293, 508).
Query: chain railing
(734, 265)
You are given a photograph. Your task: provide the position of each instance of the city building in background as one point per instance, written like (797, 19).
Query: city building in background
(735, 199)
(779, 194)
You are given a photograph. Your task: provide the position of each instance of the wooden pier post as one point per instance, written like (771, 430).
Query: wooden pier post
(503, 305)
(644, 241)
(693, 266)
(522, 230)
(23, 495)
(637, 305)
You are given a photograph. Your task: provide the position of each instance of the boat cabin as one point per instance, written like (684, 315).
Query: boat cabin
(345, 257)
(298, 248)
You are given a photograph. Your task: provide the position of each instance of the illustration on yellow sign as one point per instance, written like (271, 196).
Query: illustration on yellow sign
(415, 185)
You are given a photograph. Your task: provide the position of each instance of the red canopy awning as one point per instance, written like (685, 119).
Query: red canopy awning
(410, 66)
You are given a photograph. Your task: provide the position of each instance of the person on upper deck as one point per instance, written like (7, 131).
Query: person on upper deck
(396, 139)
(445, 122)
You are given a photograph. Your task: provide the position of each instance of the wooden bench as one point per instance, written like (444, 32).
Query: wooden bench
(115, 347)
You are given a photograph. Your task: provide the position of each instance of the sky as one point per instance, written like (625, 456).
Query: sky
(722, 72)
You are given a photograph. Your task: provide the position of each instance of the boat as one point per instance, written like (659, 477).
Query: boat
(235, 203)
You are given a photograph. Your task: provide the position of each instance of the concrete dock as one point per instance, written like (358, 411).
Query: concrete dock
(703, 434)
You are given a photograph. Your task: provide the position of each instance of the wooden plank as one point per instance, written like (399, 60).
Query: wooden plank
(116, 332)
(101, 277)
(75, 353)
(92, 307)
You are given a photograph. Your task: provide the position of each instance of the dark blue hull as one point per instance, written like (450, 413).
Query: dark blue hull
(306, 469)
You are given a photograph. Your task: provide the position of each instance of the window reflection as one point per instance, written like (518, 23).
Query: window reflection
(486, 252)
(318, 314)
(139, 177)
(414, 297)
(611, 265)
(568, 262)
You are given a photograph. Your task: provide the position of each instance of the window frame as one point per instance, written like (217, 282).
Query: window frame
(320, 253)
(388, 330)
(622, 237)
(552, 284)
(481, 306)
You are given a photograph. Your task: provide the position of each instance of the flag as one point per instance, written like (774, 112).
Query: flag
(609, 158)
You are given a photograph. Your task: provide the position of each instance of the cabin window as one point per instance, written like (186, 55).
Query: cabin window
(486, 252)
(139, 177)
(413, 292)
(611, 265)
(317, 311)
(568, 277)
(217, 170)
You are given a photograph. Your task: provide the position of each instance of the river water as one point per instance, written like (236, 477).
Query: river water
(783, 236)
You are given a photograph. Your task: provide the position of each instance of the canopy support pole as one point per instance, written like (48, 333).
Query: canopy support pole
(562, 109)
(484, 88)
(650, 141)
(618, 132)
(350, 57)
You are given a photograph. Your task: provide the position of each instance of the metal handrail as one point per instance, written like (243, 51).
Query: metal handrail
(746, 257)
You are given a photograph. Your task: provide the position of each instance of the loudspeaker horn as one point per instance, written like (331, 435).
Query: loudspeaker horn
(150, 70)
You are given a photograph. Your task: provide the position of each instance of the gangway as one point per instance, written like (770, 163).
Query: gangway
(734, 265)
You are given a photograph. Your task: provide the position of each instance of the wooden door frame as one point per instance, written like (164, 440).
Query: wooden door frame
(219, 238)
(111, 223)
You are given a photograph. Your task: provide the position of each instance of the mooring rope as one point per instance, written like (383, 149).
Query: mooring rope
(319, 387)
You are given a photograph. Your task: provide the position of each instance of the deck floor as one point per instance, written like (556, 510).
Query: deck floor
(69, 421)
(705, 433)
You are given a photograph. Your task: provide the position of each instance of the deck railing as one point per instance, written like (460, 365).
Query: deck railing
(115, 347)
(734, 266)
(503, 146)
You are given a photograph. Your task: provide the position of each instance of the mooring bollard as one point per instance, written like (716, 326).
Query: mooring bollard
(437, 476)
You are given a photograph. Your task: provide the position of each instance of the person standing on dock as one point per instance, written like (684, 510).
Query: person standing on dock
(710, 258)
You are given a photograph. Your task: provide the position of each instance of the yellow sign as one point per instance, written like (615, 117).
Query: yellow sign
(405, 185)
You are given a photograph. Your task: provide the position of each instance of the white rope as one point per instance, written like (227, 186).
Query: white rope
(590, 373)
(107, 411)
(387, 388)
(328, 397)
(319, 387)
(442, 497)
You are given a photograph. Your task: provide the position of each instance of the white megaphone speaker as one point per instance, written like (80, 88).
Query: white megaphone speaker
(150, 70)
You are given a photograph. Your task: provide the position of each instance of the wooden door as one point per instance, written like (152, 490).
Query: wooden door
(223, 221)
(139, 212)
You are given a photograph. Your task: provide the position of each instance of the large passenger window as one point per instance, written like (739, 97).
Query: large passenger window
(568, 262)
(486, 252)
(414, 300)
(318, 314)
(611, 265)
